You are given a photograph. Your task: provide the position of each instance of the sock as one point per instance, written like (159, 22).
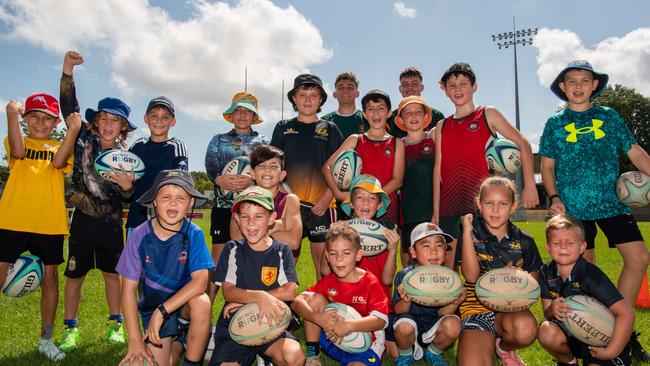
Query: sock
(187, 362)
(116, 318)
(313, 349)
(69, 323)
(46, 331)
(405, 352)
(573, 362)
(433, 349)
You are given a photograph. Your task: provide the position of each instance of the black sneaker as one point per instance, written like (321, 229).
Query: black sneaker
(637, 349)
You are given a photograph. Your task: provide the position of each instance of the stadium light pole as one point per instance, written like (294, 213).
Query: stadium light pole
(504, 41)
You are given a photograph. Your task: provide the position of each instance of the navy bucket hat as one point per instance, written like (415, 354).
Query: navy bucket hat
(113, 106)
(579, 65)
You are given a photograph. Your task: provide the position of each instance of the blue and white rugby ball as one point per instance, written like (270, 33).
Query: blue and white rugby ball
(373, 240)
(116, 157)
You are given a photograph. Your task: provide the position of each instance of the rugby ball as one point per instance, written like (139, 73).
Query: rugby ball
(432, 285)
(240, 165)
(114, 158)
(507, 290)
(246, 328)
(346, 166)
(24, 276)
(355, 342)
(589, 321)
(372, 236)
(502, 156)
(633, 189)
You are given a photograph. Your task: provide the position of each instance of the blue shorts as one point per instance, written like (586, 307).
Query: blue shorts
(169, 327)
(368, 357)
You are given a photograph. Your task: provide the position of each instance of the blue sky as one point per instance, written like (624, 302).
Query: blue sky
(196, 51)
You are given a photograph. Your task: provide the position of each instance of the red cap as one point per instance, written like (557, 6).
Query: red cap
(43, 103)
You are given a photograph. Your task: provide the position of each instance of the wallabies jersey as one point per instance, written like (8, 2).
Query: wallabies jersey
(348, 125)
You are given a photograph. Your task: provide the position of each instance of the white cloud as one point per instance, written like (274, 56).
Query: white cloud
(199, 62)
(625, 59)
(404, 11)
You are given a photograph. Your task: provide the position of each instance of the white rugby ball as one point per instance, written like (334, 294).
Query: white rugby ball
(246, 329)
(116, 157)
(507, 290)
(432, 285)
(589, 320)
(633, 189)
(502, 156)
(240, 165)
(355, 342)
(346, 166)
(23, 276)
(372, 236)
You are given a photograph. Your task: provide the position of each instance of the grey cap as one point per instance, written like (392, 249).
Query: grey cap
(176, 177)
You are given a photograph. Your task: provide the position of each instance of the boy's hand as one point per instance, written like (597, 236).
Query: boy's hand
(529, 197)
(602, 353)
(122, 178)
(339, 331)
(73, 122)
(326, 319)
(70, 60)
(559, 309)
(137, 354)
(393, 239)
(320, 206)
(459, 300)
(557, 207)
(15, 107)
(153, 330)
(230, 309)
(234, 183)
(466, 222)
(402, 294)
(271, 309)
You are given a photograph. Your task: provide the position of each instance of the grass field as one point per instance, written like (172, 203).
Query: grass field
(20, 320)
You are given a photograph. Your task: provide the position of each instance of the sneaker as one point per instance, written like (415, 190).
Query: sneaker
(508, 358)
(115, 332)
(637, 349)
(434, 359)
(404, 360)
(312, 361)
(47, 348)
(69, 340)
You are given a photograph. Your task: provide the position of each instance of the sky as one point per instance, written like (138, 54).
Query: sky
(197, 52)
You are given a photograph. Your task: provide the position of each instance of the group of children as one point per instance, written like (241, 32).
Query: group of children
(424, 178)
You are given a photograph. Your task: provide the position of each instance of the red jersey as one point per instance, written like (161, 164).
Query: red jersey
(378, 159)
(375, 265)
(463, 164)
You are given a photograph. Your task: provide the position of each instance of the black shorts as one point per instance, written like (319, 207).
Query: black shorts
(169, 328)
(451, 225)
(581, 350)
(93, 243)
(389, 332)
(405, 237)
(47, 247)
(220, 225)
(315, 227)
(618, 230)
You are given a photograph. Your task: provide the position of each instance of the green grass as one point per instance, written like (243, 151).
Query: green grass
(20, 319)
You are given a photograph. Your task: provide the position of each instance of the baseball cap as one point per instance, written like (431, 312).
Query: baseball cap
(459, 68)
(376, 93)
(256, 194)
(161, 101)
(370, 184)
(246, 100)
(307, 79)
(176, 177)
(43, 103)
(579, 65)
(410, 100)
(113, 106)
(427, 229)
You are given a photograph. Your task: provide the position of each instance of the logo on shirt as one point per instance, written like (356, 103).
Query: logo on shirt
(331, 294)
(183, 257)
(554, 294)
(576, 285)
(148, 259)
(574, 132)
(388, 152)
(515, 246)
(321, 132)
(72, 264)
(269, 275)
(426, 149)
(473, 126)
(289, 131)
(358, 300)
(484, 257)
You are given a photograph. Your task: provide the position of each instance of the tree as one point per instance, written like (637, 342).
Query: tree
(202, 182)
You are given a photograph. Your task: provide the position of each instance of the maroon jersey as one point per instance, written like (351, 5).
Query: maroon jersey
(463, 165)
(279, 200)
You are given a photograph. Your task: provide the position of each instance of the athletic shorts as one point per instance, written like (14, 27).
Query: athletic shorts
(405, 236)
(451, 225)
(169, 328)
(481, 321)
(368, 357)
(425, 330)
(93, 243)
(581, 351)
(227, 350)
(389, 332)
(220, 225)
(618, 230)
(47, 247)
(315, 227)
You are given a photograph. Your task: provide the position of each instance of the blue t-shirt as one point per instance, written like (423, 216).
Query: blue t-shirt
(156, 156)
(222, 149)
(586, 147)
(163, 266)
(416, 310)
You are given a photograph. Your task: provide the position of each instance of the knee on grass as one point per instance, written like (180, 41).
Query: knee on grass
(450, 327)
(550, 335)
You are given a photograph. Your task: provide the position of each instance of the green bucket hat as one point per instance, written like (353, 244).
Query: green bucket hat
(370, 184)
(256, 194)
(246, 100)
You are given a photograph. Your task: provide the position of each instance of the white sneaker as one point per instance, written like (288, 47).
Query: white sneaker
(47, 348)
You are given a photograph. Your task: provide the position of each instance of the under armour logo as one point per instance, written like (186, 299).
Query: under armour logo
(574, 132)
(40, 98)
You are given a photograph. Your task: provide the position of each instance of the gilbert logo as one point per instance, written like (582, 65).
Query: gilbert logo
(574, 132)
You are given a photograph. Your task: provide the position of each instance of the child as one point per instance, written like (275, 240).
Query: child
(158, 152)
(240, 141)
(347, 117)
(461, 138)
(33, 216)
(257, 269)
(585, 141)
(348, 285)
(307, 142)
(410, 84)
(382, 155)
(96, 236)
(491, 241)
(420, 326)
(268, 172)
(167, 261)
(416, 200)
(568, 273)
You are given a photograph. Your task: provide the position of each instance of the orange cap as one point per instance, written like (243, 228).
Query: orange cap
(410, 100)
